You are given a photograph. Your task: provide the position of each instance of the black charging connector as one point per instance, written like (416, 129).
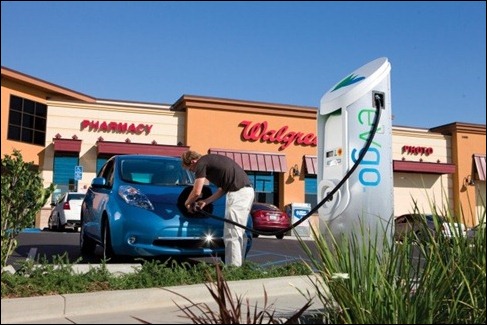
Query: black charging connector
(378, 100)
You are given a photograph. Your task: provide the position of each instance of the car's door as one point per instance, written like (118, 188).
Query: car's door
(96, 200)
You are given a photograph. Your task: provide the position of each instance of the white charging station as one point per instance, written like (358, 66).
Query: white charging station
(363, 205)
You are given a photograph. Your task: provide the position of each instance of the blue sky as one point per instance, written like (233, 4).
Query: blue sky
(277, 52)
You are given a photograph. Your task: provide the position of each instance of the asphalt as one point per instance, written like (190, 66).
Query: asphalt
(285, 296)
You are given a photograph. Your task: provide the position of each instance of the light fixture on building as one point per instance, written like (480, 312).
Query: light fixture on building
(469, 180)
(294, 170)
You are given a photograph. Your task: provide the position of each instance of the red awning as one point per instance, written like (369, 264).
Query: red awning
(311, 163)
(255, 161)
(423, 167)
(480, 166)
(67, 145)
(124, 148)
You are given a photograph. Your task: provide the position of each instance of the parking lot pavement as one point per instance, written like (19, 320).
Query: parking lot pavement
(273, 252)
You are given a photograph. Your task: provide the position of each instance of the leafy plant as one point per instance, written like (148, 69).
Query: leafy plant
(421, 281)
(23, 196)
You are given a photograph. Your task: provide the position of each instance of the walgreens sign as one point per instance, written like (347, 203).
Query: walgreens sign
(260, 131)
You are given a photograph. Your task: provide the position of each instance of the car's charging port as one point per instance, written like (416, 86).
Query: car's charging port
(197, 212)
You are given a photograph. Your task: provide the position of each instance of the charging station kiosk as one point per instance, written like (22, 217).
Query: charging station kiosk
(363, 203)
(297, 211)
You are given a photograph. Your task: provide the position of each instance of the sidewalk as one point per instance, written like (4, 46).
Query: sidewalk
(157, 305)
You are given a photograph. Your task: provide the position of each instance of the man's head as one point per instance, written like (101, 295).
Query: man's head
(189, 157)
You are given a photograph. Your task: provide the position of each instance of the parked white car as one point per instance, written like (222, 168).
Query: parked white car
(66, 211)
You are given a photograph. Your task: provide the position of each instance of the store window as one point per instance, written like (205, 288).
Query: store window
(100, 161)
(64, 165)
(265, 186)
(27, 121)
(310, 190)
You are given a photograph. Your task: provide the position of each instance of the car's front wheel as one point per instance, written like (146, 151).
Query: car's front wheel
(108, 252)
(87, 245)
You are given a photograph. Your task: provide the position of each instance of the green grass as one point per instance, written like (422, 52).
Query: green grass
(43, 278)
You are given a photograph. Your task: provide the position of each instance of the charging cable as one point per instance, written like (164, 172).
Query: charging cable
(329, 196)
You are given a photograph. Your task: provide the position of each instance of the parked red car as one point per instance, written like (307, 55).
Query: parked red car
(269, 218)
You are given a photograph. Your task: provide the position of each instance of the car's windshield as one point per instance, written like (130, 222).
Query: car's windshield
(155, 171)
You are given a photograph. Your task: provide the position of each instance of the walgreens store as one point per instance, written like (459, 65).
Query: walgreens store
(61, 131)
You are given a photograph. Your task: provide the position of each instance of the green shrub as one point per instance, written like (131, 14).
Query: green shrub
(436, 280)
(23, 196)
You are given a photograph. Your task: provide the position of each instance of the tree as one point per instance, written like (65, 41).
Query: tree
(23, 196)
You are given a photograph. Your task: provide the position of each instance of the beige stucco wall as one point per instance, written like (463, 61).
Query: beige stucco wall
(64, 118)
(426, 191)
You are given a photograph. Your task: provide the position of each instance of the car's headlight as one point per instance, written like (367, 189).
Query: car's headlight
(133, 196)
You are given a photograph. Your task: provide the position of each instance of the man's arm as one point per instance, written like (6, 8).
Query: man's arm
(215, 196)
(195, 193)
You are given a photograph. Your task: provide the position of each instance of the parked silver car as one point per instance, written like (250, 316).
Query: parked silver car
(66, 212)
(472, 232)
(417, 223)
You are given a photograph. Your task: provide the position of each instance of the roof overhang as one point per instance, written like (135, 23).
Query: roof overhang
(124, 148)
(311, 164)
(423, 167)
(398, 166)
(479, 162)
(67, 145)
(44, 86)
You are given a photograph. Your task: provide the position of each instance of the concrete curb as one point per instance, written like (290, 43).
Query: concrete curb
(32, 309)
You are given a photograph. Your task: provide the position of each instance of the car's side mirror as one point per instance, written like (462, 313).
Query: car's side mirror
(99, 182)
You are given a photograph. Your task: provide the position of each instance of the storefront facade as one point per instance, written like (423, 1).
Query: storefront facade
(274, 143)
(268, 140)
